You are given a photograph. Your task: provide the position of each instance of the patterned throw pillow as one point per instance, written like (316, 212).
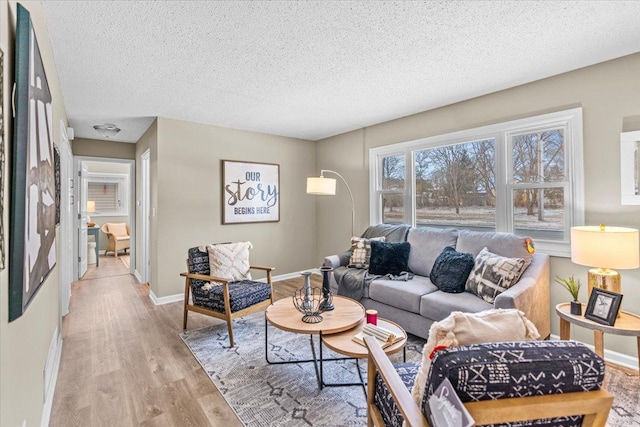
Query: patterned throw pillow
(361, 251)
(493, 274)
(451, 270)
(230, 260)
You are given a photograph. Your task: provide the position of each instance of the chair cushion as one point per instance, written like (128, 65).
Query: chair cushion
(230, 260)
(460, 329)
(242, 294)
(382, 398)
(118, 229)
(122, 238)
(493, 274)
(518, 369)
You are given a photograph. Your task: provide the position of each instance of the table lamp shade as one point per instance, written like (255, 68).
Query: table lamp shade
(321, 186)
(91, 206)
(605, 247)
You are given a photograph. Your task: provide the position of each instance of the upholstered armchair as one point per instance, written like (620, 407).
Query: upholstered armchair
(498, 369)
(218, 283)
(119, 237)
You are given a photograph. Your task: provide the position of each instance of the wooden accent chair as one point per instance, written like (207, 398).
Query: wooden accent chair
(220, 297)
(119, 237)
(507, 382)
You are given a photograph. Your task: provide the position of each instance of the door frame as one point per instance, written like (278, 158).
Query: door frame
(145, 220)
(132, 211)
(67, 200)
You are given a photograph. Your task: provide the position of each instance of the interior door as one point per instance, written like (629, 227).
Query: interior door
(82, 217)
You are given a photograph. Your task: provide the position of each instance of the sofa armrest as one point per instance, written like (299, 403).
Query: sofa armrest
(339, 260)
(531, 295)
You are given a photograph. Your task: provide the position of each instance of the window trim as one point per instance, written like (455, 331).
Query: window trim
(122, 184)
(570, 120)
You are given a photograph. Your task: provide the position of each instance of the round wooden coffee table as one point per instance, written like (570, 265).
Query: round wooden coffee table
(343, 342)
(346, 315)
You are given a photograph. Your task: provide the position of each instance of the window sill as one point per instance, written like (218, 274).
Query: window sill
(100, 215)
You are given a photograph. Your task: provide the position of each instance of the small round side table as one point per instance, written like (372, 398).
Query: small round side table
(627, 324)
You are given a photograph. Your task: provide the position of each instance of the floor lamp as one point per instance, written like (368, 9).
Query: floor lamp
(321, 186)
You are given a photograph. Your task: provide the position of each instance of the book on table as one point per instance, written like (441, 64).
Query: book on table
(384, 336)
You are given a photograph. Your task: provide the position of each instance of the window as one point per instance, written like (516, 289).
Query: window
(109, 192)
(523, 176)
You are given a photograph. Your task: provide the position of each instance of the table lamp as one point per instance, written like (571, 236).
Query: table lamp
(91, 208)
(321, 186)
(605, 248)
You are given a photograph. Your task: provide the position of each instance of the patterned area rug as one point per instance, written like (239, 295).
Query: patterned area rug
(288, 395)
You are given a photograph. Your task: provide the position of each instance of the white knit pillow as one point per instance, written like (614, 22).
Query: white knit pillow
(496, 325)
(230, 260)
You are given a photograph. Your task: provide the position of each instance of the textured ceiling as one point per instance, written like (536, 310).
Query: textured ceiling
(314, 69)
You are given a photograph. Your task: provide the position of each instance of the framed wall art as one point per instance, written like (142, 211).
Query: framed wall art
(250, 192)
(603, 306)
(32, 241)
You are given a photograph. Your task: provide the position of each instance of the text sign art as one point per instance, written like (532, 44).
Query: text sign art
(250, 193)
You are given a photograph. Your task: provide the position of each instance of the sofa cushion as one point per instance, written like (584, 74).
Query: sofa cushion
(493, 274)
(391, 232)
(361, 251)
(426, 244)
(438, 305)
(389, 258)
(459, 329)
(451, 270)
(403, 295)
(504, 244)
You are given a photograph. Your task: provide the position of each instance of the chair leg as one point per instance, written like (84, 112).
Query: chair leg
(230, 329)
(187, 290)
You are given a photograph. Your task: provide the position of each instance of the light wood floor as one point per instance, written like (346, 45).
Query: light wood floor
(123, 363)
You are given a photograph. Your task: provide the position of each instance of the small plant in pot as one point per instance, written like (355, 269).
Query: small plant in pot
(573, 286)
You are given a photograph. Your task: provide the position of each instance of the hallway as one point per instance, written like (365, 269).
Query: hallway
(123, 363)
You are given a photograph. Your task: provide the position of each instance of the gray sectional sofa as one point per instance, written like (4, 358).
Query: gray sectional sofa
(417, 303)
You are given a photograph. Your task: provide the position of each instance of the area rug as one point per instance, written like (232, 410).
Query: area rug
(125, 260)
(288, 395)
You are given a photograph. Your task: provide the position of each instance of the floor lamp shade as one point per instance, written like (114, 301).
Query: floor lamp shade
(606, 248)
(321, 186)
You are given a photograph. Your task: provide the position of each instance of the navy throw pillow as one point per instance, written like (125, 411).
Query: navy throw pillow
(451, 270)
(389, 258)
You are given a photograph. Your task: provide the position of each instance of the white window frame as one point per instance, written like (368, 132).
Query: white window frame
(122, 188)
(569, 120)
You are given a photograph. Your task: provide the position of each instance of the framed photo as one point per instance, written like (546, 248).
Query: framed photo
(250, 192)
(32, 240)
(603, 306)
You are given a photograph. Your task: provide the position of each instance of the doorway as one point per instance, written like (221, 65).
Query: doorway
(105, 194)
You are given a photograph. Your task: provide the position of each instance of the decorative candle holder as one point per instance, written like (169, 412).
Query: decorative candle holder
(327, 298)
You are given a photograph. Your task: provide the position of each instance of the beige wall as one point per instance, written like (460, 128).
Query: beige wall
(609, 94)
(188, 199)
(24, 343)
(99, 148)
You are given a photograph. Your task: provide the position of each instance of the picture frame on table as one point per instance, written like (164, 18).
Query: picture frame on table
(603, 306)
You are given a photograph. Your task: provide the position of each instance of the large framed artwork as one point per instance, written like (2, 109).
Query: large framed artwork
(250, 192)
(33, 207)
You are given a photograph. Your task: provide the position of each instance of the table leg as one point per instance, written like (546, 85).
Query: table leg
(565, 329)
(598, 343)
(638, 353)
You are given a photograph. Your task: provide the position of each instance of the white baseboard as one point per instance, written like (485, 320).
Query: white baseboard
(165, 300)
(51, 368)
(180, 297)
(613, 357)
(138, 276)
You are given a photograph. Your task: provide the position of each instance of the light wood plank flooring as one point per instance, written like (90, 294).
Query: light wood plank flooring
(123, 363)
